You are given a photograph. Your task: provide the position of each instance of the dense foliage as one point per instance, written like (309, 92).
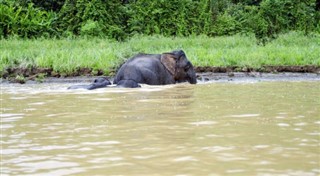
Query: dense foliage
(119, 19)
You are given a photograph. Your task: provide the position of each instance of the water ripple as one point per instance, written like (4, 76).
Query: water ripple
(245, 115)
(101, 143)
(234, 171)
(203, 123)
(52, 147)
(10, 115)
(185, 158)
(301, 124)
(11, 119)
(107, 159)
(11, 151)
(48, 164)
(230, 157)
(61, 172)
(218, 148)
(143, 157)
(261, 146)
(283, 125)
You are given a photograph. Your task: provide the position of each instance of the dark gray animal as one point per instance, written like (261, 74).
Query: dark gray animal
(156, 69)
(98, 83)
(128, 84)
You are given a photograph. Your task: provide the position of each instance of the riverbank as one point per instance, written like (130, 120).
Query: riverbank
(203, 77)
(20, 75)
(28, 59)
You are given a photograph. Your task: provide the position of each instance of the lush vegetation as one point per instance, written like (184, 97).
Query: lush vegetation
(120, 19)
(68, 55)
(66, 35)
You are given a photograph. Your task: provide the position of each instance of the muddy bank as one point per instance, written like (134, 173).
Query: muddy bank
(205, 77)
(25, 75)
(256, 77)
(263, 69)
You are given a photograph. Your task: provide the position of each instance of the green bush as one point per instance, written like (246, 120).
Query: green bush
(47, 5)
(25, 22)
(91, 28)
(225, 24)
(81, 16)
(268, 18)
(120, 19)
(169, 17)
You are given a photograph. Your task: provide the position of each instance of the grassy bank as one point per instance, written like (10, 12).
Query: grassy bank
(67, 55)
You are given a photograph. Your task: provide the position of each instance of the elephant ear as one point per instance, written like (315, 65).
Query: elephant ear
(169, 61)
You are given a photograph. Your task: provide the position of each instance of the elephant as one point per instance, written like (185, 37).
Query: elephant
(128, 84)
(156, 69)
(98, 83)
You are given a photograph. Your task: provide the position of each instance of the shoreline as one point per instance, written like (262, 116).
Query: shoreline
(204, 77)
(24, 75)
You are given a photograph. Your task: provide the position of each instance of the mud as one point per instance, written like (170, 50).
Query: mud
(204, 74)
(263, 69)
(206, 77)
(256, 77)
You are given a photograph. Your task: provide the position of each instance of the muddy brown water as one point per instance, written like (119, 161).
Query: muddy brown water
(219, 128)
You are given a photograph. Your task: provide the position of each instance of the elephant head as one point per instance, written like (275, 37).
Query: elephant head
(99, 83)
(179, 66)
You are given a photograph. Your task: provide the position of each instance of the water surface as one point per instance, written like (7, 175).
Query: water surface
(267, 128)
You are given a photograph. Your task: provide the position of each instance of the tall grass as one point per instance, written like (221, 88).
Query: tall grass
(67, 55)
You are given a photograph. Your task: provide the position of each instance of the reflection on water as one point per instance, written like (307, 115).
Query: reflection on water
(207, 129)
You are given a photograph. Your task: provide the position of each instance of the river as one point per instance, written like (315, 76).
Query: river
(260, 128)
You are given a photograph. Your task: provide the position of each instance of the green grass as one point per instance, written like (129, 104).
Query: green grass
(66, 55)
